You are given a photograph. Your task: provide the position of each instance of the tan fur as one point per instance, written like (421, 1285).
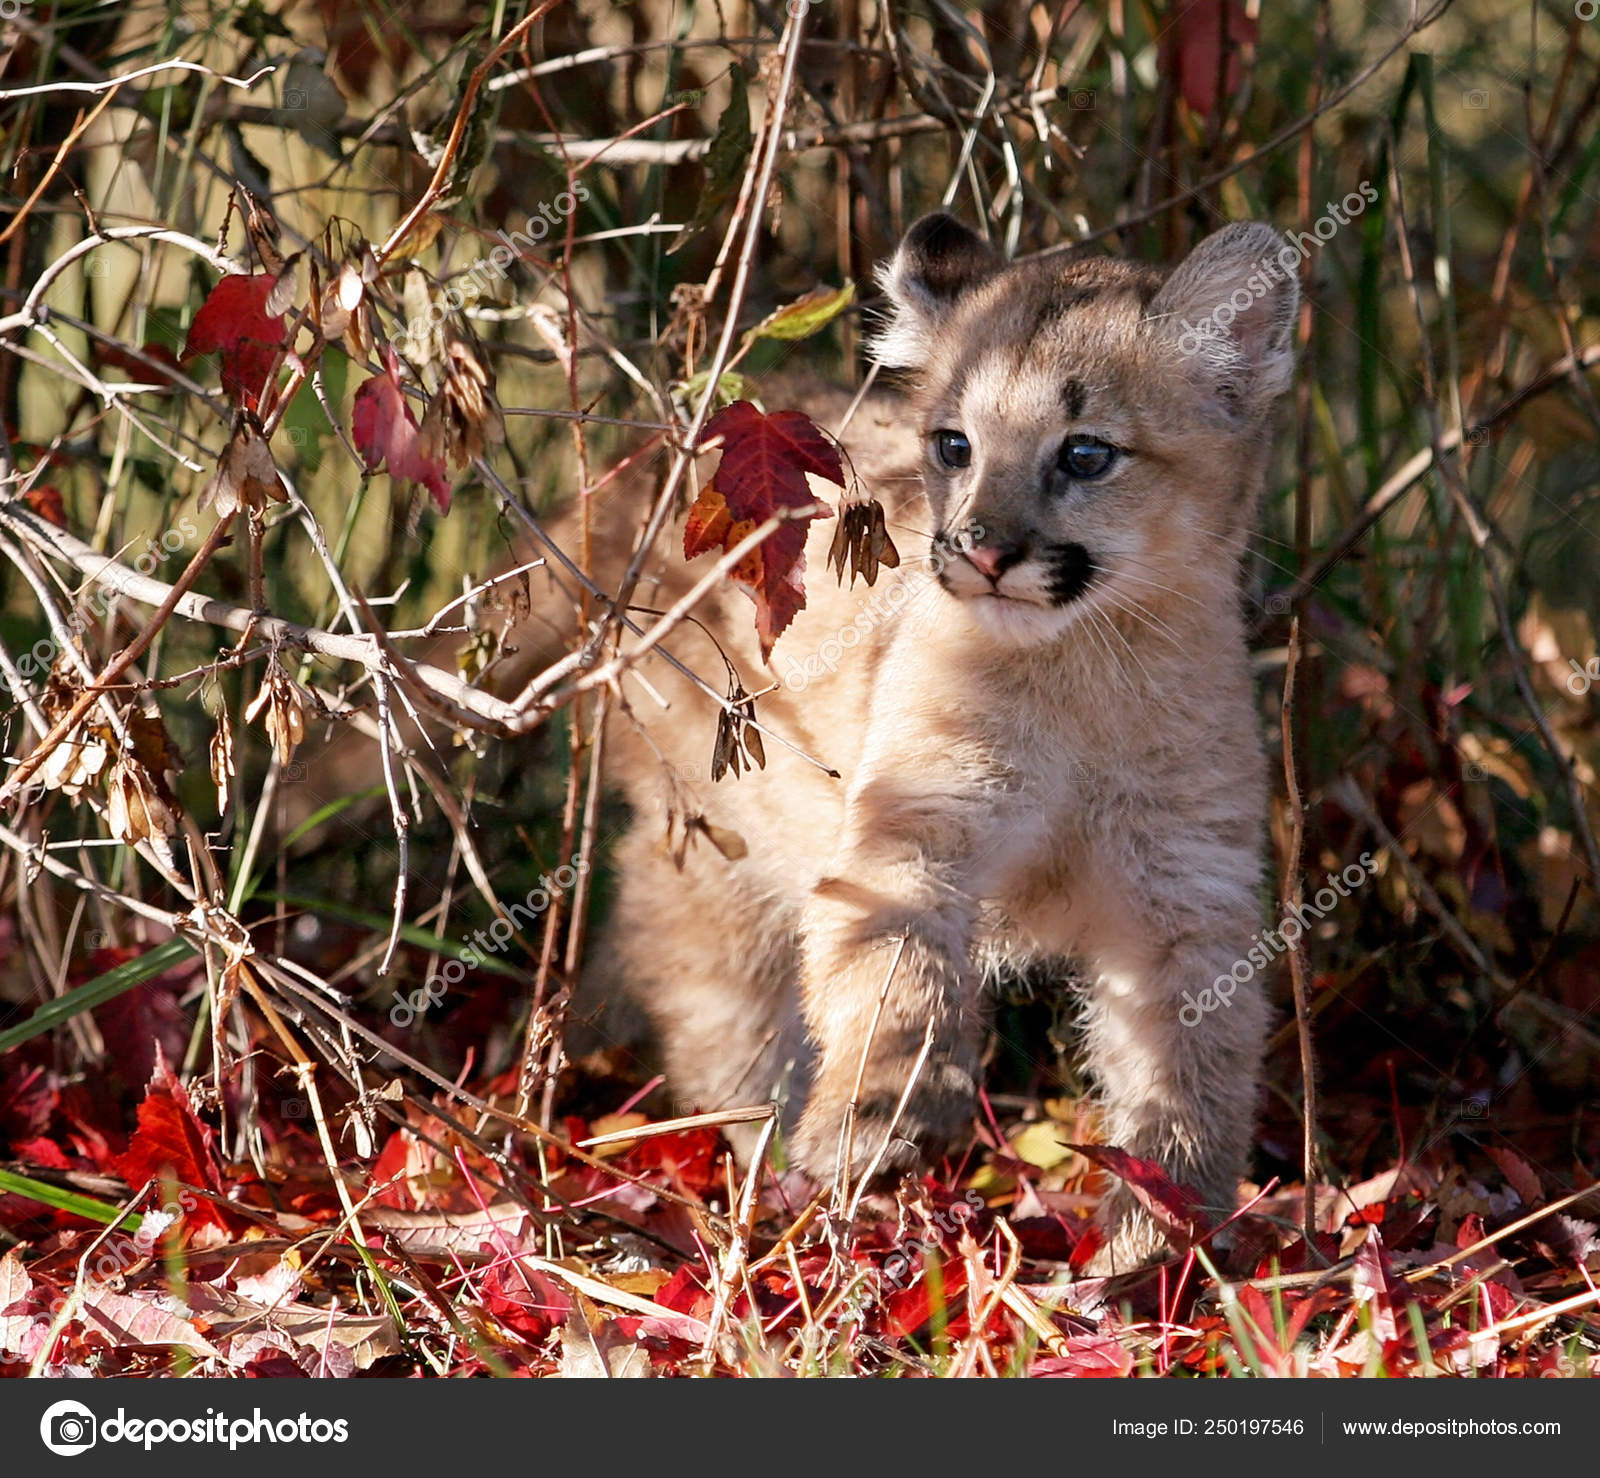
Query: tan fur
(1020, 780)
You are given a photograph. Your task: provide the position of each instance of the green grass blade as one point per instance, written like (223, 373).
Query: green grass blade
(97, 992)
(64, 1200)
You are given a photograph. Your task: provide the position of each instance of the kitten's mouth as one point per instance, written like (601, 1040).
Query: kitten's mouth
(1048, 578)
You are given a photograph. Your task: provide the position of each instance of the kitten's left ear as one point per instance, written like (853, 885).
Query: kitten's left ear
(1230, 308)
(938, 263)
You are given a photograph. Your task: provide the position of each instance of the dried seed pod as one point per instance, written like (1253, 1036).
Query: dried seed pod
(246, 476)
(284, 705)
(862, 538)
(221, 755)
(138, 805)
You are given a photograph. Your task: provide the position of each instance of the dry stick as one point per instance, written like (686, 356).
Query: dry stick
(580, 900)
(35, 855)
(604, 677)
(537, 1019)
(27, 315)
(305, 1076)
(847, 1130)
(458, 129)
(1417, 1275)
(74, 1300)
(78, 129)
(712, 1120)
(979, 1322)
(117, 665)
(1293, 890)
(522, 724)
(112, 83)
(737, 1253)
(365, 651)
(894, 1120)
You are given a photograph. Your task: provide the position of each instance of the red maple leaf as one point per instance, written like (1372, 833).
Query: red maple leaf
(234, 322)
(692, 1158)
(1086, 1357)
(384, 430)
(763, 470)
(114, 356)
(1199, 30)
(45, 500)
(172, 1143)
(1177, 1210)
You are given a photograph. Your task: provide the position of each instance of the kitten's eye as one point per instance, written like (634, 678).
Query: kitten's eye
(953, 448)
(1086, 457)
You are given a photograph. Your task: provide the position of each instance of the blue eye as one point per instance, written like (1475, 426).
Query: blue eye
(953, 448)
(1085, 457)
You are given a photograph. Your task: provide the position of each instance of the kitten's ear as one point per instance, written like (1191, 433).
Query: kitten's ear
(1230, 308)
(939, 261)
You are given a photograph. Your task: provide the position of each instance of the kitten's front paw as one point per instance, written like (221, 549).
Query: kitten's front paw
(938, 1112)
(1132, 1239)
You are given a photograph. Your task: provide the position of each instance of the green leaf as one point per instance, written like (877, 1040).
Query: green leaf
(725, 161)
(805, 316)
(730, 387)
(64, 1200)
(97, 992)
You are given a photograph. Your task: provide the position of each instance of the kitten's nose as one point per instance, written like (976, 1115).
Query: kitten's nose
(993, 559)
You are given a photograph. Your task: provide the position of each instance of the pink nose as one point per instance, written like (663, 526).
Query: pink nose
(988, 559)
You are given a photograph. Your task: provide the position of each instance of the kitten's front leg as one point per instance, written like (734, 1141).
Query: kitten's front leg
(1178, 1083)
(892, 1001)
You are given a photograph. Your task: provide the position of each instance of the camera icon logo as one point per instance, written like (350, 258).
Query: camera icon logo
(68, 1428)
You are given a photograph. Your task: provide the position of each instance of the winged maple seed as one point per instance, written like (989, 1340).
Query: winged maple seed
(141, 805)
(77, 762)
(335, 307)
(81, 758)
(220, 754)
(863, 538)
(765, 462)
(463, 416)
(281, 699)
(246, 476)
(737, 736)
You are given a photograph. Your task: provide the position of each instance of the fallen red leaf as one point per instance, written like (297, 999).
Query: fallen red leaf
(691, 1158)
(765, 460)
(1178, 1211)
(1088, 1357)
(234, 322)
(172, 1143)
(524, 1300)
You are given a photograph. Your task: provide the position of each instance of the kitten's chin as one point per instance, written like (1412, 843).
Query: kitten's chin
(1016, 623)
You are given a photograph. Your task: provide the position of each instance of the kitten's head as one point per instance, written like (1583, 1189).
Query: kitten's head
(1094, 434)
